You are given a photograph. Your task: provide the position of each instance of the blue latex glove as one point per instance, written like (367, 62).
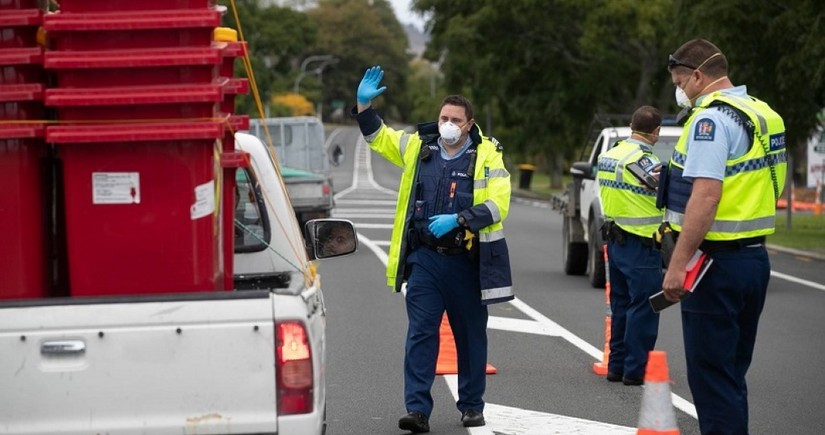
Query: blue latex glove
(368, 88)
(441, 224)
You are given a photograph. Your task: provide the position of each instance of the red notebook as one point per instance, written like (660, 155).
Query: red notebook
(696, 269)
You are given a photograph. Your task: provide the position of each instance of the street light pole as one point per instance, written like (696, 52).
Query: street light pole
(325, 60)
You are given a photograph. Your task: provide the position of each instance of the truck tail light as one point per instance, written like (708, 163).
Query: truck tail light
(294, 369)
(326, 189)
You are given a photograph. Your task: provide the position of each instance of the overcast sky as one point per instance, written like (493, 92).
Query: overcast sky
(402, 11)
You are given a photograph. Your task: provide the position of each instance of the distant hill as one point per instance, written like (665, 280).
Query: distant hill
(418, 39)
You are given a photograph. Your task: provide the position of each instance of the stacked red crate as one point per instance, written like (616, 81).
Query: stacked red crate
(227, 40)
(24, 251)
(138, 97)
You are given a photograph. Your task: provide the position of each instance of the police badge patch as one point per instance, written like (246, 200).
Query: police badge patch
(645, 163)
(705, 130)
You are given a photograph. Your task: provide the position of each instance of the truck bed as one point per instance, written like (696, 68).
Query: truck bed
(105, 365)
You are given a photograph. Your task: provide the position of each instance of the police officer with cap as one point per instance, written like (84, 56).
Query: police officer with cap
(447, 243)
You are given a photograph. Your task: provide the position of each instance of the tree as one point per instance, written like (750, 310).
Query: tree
(278, 37)
(362, 33)
(777, 49)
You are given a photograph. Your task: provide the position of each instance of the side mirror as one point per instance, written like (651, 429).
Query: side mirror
(329, 238)
(583, 170)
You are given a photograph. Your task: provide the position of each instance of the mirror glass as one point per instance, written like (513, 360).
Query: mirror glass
(331, 237)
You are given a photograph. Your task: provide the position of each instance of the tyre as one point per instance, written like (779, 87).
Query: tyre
(595, 264)
(573, 253)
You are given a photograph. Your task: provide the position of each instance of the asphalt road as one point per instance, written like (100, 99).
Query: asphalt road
(543, 345)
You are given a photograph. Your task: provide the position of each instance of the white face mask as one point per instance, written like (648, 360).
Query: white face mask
(450, 133)
(682, 99)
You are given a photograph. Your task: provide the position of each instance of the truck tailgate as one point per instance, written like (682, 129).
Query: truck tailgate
(199, 363)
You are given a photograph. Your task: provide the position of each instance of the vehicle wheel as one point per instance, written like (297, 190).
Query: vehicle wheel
(573, 253)
(595, 267)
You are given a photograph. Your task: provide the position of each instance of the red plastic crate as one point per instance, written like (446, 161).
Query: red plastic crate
(236, 86)
(231, 51)
(137, 102)
(135, 67)
(125, 30)
(18, 28)
(131, 5)
(24, 252)
(22, 4)
(141, 214)
(21, 65)
(21, 102)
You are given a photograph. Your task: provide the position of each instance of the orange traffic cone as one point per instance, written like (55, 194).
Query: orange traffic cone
(600, 368)
(447, 363)
(657, 416)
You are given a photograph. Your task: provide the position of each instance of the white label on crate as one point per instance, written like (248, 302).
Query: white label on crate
(115, 188)
(204, 200)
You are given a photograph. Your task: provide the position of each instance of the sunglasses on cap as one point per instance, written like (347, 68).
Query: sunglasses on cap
(672, 62)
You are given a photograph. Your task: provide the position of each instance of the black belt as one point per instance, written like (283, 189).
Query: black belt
(646, 241)
(443, 250)
(710, 246)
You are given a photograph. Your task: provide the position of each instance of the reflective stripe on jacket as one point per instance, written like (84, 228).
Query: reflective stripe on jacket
(752, 182)
(491, 204)
(625, 200)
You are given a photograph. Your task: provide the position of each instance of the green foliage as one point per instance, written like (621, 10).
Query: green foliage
(360, 34)
(550, 65)
(776, 48)
(278, 39)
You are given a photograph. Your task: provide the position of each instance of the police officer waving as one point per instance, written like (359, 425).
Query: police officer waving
(447, 244)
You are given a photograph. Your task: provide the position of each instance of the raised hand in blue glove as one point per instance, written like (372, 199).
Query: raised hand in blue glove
(441, 224)
(368, 88)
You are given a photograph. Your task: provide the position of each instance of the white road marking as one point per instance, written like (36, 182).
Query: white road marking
(506, 420)
(790, 278)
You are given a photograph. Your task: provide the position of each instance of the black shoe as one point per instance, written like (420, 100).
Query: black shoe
(633, 381)
(614, 377)
(472, 418)
(414, 422)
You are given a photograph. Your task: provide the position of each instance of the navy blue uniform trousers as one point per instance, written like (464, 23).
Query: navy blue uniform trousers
(635, 275)
(719, 322)
(438, 283)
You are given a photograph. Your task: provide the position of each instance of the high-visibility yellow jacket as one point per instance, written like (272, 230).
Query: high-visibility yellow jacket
(752, 182)
(491, 203)
(625, 200)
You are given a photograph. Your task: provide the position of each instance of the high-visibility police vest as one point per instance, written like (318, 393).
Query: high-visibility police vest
(752, 182)
(625, 200)
(491, 202)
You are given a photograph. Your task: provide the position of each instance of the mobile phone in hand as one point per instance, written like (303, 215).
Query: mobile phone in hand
(642, 175)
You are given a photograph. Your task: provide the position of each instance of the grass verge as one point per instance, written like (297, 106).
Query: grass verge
(807, 232)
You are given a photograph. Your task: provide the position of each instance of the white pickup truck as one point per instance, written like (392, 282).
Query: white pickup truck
(248, 361)
(582, 209)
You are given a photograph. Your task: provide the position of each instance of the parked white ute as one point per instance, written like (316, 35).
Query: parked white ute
(582, 208)
(249, 361)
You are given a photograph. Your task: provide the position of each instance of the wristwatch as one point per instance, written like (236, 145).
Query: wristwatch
(461, 221)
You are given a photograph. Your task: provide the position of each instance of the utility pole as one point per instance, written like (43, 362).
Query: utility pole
(325, 60)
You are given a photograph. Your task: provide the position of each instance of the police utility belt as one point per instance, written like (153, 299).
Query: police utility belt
(665, 240)
(614, 233)
(450, 244)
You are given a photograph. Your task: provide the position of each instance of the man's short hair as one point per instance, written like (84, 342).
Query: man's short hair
(459, 100)
(646, 119)
(694, 53)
